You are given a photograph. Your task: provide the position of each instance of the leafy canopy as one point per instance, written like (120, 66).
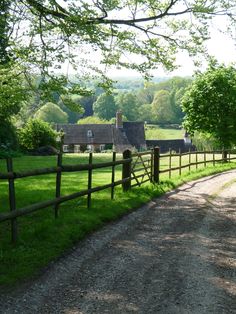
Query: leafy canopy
(51, 113)
(45, 33)
(129, 104)
(12, 91)
(92, 120)
(210, 104)
(105, 107)
(161, 107)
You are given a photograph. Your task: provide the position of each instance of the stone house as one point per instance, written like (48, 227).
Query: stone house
(99, 137)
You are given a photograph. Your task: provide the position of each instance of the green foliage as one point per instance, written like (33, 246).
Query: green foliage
(205, 141)
(169, 110)
(92, 120)
(36, 133)
(8, 136)
(129, 104)
(12, 91)
(152, 32)
(51, 113)
(162, 107)
(87, 104)
(210, 104)
(6, 153)
(105, 107)
(145, 113)
(4, 30)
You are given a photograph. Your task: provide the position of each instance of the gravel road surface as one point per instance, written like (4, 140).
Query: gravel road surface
(175, 255)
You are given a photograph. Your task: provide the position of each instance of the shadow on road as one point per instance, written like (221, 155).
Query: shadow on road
(181, 258)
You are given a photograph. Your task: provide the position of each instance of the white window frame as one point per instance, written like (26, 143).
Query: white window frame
(90, 147)
(76, 148)
(89, 133)
(65, 148)
(102, 147)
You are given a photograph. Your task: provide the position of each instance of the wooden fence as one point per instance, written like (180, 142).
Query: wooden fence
(136, 169)
(193, 160)
(130, 172)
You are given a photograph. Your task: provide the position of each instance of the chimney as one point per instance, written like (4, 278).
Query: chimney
(119, 123)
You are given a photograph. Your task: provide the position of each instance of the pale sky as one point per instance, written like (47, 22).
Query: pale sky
(220, 46)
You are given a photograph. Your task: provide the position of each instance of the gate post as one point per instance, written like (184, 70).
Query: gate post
(156, 165)
(224, 155)
(126, 171)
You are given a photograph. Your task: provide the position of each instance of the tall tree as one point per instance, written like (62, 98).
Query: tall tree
(129, 104)
(105, 107)
(162, 108)
(210, 104)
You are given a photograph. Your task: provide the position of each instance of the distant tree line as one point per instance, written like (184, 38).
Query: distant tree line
(148, 101)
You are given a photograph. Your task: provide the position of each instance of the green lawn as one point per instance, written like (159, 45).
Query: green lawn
(42, 238)
(154, 132)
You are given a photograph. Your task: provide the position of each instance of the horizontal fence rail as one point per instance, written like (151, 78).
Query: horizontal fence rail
(137, 169)
(193, 159)
(127, 177)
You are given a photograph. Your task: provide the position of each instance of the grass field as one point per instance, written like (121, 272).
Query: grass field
(42, 238)
(154, 132)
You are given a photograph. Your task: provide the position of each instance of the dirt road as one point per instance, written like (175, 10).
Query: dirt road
(175, 255)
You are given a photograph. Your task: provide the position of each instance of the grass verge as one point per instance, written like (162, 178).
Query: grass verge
(43, 239)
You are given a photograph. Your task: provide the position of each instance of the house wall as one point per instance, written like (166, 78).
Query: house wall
(75, 148)
(166, 145)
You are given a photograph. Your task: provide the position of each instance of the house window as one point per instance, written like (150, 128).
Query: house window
(102, 147)
(90, 148)
(65, 148)
(89, 133)
(76, 148)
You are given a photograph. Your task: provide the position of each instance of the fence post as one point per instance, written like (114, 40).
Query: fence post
(224, 155)
(205, 158)
(156, 164)
(169, 163)
(189, 160)
(152, 154)
(58, 182)
(214, 158)
(180, 162)
(89, 180)
(113, 175)
(126, 171)
(196, 160)
(12, 200)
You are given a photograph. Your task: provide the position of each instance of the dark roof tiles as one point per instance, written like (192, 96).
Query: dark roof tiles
(132, 134)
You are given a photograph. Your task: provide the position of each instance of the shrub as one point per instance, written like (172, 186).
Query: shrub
(5, 153)
(36, 133)
(205, 141)
(8, 136)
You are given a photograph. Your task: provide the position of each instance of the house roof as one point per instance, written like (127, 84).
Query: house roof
(78, 133)
(135, 133)
(132, 134)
